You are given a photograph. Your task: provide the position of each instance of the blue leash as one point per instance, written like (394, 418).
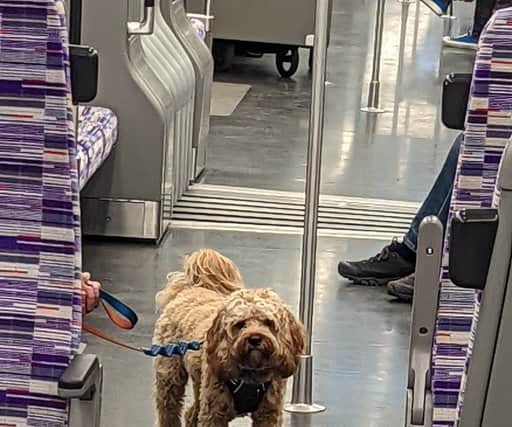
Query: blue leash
(124, 317)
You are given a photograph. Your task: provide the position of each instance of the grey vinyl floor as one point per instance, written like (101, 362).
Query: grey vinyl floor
(360, 334)
(394, 155)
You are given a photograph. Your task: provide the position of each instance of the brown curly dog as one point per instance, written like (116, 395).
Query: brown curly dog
(251, 341)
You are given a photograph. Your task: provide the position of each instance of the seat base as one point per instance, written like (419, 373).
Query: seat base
(135, 219)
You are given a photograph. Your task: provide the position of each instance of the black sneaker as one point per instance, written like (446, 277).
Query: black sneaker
(403, 288)
(379, 270)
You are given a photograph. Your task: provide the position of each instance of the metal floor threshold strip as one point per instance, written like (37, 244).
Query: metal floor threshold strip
(219, 207)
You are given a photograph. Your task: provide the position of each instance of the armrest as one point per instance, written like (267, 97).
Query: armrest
(419, 406)
(455, 100)
(81, 378)
(84, 73)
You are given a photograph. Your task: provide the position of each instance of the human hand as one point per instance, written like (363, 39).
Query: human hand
(90, 293)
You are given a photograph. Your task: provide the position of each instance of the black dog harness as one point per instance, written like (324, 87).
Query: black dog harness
(246, 396)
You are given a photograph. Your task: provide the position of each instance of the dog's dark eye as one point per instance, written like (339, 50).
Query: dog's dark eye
(269, 323)
(238, 326)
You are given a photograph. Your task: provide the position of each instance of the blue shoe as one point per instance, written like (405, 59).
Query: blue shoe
(439, 7)
(466, 41)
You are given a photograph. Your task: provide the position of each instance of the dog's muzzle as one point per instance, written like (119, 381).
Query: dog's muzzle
(255, 351)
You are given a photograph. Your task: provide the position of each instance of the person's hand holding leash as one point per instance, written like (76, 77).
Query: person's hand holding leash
(90, 293)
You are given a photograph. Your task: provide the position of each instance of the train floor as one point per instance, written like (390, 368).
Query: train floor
(360, 334)
(394, 155)
(360, 337)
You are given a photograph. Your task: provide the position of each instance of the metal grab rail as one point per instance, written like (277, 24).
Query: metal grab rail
(302, 399)
(206, 17)
(147, 25)
(373, 104)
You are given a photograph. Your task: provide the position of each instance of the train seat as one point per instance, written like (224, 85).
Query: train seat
(96, 136)
(487, 131)
(44, 381)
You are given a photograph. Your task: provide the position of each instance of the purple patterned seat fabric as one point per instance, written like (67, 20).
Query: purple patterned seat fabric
(39, 214)
(199, 28)
(488, 129)
(97, 134)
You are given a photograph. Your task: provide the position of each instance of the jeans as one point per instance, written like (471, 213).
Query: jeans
(438, 200)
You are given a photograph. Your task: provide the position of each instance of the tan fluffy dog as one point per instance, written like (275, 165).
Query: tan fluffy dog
(247, 335)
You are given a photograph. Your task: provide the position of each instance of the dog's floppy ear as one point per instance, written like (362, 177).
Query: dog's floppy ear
(218, 347)
(217, 350)
(216, 330)
(293, 345)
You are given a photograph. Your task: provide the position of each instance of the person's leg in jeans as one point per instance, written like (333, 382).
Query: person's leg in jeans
(437, 203)
(397, 260)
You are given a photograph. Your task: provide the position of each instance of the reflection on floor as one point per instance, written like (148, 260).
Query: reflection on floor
(360, 337)
(226, 97)
(360, 334)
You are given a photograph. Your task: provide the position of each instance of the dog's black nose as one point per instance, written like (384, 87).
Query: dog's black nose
(254, 340)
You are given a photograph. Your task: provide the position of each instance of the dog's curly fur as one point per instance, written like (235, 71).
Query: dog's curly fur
(207, 302)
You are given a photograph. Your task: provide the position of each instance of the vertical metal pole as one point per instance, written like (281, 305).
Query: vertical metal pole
(449, 16)
(403, 33)
(448, 20)
(302, 395)
(374, 89)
